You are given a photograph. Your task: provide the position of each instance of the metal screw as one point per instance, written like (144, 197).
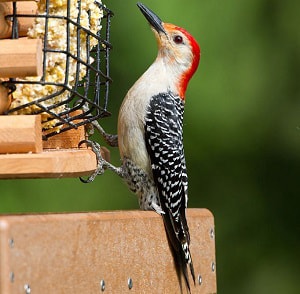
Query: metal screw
(213, 266)
(212, 233)
(102, 285)
(11, 243)
(199, 279)
(27, 289)
(130, 283)
(12, 276)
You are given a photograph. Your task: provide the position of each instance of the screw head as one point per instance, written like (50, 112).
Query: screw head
(212, 233)
(11, 243)
(27, 289)
(12, 276)
(102, 285)
(130, 283)
(213, 267)
(199, 279)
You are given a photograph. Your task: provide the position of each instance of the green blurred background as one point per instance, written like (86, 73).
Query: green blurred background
(242, 137)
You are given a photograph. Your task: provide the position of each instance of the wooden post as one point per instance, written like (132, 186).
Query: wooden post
(82, 252)
(24, 23)
(21, 58)
(5, 98)
(20, 134)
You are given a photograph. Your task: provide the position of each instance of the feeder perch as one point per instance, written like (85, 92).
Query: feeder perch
(54, 81)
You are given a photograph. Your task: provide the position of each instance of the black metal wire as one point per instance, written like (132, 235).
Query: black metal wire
(90, 94)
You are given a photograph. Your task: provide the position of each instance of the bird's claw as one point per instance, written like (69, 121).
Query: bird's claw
(100, 160)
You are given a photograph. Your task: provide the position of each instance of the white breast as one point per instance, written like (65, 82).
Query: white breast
(132, 113)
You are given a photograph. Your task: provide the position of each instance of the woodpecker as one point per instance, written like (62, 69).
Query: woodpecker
(150, 135)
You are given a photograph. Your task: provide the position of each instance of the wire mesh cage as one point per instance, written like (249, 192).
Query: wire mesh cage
(75, 70)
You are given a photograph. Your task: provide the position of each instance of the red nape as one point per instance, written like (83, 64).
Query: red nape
(196, 59)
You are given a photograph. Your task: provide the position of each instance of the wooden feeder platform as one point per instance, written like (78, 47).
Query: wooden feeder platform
(23, 153)
(100, 252)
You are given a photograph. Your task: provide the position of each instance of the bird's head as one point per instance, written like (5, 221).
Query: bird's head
(178, 48)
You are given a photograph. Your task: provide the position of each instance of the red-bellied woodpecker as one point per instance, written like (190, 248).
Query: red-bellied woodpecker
(150, 135)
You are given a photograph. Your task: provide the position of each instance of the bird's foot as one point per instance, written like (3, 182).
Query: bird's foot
(100, 160)
(102, 164)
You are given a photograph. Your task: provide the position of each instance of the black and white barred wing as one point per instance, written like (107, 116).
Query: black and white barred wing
(164, 141)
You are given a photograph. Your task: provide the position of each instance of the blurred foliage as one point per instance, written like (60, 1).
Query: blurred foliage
(242, 137)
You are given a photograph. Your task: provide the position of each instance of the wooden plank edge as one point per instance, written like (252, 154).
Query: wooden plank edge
(20, 134)
(4, 257)
(24, 23)
(48, 164)
(21, 57)
(97, 215)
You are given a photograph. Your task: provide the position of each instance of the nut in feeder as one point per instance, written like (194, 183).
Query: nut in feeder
(56, 63)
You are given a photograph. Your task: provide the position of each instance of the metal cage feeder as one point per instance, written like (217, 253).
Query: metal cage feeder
(90, 93)
(69, 85)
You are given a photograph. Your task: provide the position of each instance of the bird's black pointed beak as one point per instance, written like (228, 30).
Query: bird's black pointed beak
(152, 18)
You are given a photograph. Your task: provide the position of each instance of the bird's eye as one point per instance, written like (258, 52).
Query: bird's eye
(178, 39)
